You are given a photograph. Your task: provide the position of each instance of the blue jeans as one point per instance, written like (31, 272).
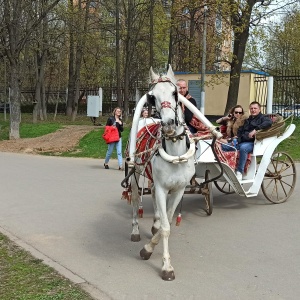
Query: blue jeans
(110, 150)
(228, 147)
(245, 148)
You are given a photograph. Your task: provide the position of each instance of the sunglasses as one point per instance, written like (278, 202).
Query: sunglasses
(238, 112)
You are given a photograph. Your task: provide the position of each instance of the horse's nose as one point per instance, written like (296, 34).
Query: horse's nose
(170, 122)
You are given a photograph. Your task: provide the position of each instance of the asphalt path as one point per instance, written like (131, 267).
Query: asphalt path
(69, 212)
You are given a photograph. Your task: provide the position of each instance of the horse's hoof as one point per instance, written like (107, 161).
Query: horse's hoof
(144, 254)
(168, 275)
(135, 237)
(154, 230)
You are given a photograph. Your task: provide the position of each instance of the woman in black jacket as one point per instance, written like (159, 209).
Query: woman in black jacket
(115, 120)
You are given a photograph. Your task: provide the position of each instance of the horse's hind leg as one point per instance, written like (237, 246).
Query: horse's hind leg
(148, 249)
(135, 234)
(135, 198)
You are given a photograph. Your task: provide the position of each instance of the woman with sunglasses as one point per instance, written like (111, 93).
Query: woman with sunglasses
(232, 121)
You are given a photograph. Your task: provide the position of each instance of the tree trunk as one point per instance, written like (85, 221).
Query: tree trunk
(241, 26)
(15, 100)
(118, 54)
(71, 82)
(151, 33)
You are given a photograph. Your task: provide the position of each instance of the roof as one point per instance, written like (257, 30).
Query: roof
(257, 72)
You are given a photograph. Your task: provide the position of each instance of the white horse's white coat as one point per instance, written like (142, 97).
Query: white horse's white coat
(172, 169)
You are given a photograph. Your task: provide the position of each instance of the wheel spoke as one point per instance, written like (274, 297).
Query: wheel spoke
(280, 177)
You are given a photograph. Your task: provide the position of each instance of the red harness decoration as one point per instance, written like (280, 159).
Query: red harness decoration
(145, 145)
(146, 140)
(166, 104)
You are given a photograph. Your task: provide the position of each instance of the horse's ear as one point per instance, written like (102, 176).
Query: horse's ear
(153, 76)
(171, 75)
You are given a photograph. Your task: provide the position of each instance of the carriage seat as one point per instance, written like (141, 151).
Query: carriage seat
(266, 136)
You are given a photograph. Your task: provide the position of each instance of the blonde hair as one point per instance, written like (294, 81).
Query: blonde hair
(114, 111)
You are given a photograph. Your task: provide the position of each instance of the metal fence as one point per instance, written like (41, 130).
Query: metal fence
(53, 97)
(286, 92)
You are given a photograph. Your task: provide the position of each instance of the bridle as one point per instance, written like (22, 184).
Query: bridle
(165, 104)
(168, 105)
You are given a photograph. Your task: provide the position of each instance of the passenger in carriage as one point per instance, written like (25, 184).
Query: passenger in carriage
(231, 122)
(144, 113)
(246, 134)
(188, 115)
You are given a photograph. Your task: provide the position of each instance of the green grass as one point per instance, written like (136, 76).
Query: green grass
(30, 130)
(92, 145)
(22, 277)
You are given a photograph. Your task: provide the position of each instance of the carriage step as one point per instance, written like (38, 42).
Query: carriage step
(251, 194)
(246, 181)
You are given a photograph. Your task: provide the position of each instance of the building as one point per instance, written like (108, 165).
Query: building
(216, 89)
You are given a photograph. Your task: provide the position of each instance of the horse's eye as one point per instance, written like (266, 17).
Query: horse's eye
(174, 93)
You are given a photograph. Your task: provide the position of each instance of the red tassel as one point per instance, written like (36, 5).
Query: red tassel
(129, 197)
(178, 219)
(125, 194)
(141, 211)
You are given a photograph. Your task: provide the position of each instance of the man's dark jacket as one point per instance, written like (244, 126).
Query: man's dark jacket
(253, 122)
(188, 115)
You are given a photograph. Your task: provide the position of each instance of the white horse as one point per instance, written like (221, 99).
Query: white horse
(172, 166)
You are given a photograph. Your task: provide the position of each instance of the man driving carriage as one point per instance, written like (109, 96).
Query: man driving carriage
(188, 115)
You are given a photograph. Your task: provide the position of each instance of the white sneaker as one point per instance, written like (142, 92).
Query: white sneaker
(239, 176)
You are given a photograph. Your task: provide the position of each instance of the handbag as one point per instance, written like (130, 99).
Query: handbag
(111, 134)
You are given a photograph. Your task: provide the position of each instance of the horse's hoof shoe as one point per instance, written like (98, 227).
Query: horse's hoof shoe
(135, 237)
(144, 254)
(168, 275)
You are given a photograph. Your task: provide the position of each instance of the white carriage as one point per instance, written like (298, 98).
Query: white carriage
(272, 171)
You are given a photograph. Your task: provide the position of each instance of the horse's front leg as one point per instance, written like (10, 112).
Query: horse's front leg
(156, 220)
(167, 268)
(172, 205)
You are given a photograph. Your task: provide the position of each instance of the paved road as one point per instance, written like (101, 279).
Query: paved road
(69, 213)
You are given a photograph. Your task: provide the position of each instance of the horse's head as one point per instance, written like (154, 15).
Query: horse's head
(164, 96)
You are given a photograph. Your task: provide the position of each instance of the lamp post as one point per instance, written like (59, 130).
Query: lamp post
(202, 98)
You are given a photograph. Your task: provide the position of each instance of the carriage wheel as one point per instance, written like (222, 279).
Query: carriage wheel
(280, 178)
(224, 187)
(207, 192)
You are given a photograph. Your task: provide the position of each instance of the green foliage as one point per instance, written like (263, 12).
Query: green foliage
(276, 45)
(25, 278)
